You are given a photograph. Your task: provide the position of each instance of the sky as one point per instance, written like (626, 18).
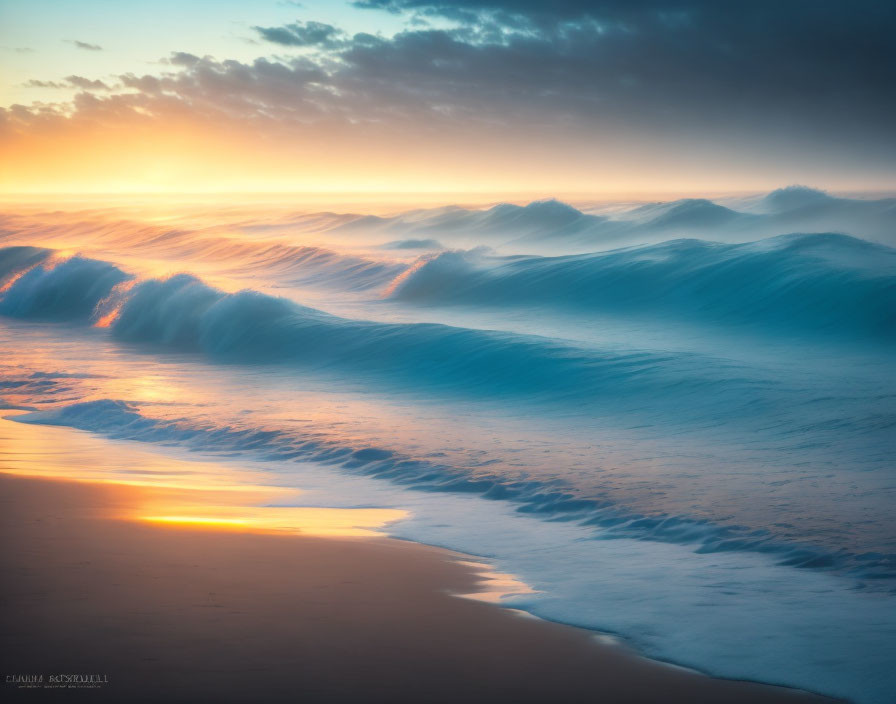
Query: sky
(430, 96)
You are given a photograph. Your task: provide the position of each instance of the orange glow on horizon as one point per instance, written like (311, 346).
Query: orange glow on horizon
(180, 153)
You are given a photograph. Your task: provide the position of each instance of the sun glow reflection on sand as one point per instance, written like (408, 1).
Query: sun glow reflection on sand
(494, 587)
(341, 522)
(164, 490)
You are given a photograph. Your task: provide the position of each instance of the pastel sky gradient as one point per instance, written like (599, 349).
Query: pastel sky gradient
(430, 96)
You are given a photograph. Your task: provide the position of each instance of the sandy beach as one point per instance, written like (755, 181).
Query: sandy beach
(164, 613)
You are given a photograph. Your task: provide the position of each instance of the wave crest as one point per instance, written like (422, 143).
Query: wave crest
(66, 289)
(818, 282)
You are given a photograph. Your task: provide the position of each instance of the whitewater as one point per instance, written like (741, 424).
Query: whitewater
(675, 421)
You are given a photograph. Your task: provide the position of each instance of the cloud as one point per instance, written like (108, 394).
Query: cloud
(301, 34)
(647, 65)
(86, 83)
(696, 72)
(33, 83)
(85, 45)
(662, 62)
(70, 82)
(211, 90)
(182, 58)
(800, 49)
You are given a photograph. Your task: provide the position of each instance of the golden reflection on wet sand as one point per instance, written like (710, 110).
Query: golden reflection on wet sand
(174, 492)
(494, 586)
(304, 520)
(194, 494)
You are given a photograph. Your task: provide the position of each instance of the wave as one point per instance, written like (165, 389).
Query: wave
(550, 219)
(829, 283)
(696, 213)
(544, 500)
(286, 263)
(290, 264)
(69, 289)
(183, 313)
(288, 246)
(792, 198)
(551, 225)
(16, 260)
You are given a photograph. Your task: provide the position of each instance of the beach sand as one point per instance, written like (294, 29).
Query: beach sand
(191, 614)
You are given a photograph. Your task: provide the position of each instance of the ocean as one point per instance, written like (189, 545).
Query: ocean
(675, 422)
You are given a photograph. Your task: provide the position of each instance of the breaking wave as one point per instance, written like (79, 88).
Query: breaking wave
(39, 286)
(828, 283)
(184, 314)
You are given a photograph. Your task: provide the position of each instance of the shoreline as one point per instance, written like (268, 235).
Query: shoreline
(205, 613)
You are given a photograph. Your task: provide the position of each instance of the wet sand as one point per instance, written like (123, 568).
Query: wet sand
(178, 614)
